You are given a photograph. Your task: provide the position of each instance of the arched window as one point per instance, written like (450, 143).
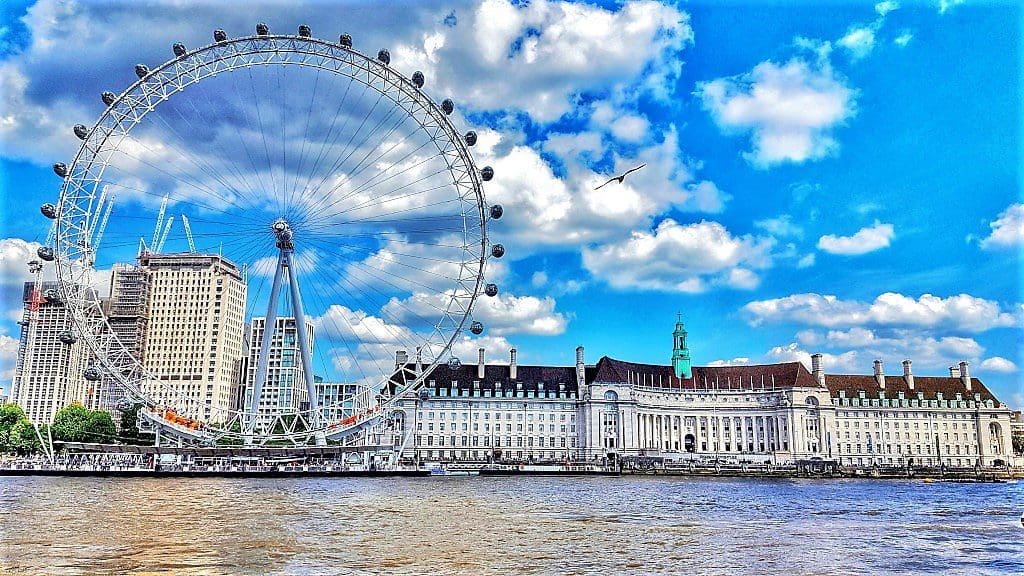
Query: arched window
(812, 401)
(611, 396)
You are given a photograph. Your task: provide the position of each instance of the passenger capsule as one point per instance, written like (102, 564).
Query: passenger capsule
(497, 211)
(124, 405)
(345, 40)
(81, 131)
(487, 173)
(220, 35)
(92, 374)
(67, 337)
(454, 364)
(476, 328)
(46, 253)
(304, 31)
(60, 169)
(52, 296)
(384, 56)
(470, 138)
(108, 98)
(48, 210)
(179, 50)
(262, 29)
(497, 250)
(418, 79)
(448, 106)
(141, 70)
(491, 290)
(424, 394)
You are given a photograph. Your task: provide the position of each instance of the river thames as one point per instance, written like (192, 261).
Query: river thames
(477, 525)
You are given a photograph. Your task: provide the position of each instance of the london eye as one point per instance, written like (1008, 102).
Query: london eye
(329, 184)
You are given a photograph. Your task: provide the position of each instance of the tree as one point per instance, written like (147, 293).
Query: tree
(1018, 444)
(10, 415)
(130, 424)
(23, 439)
(71, 423)
(100, 428)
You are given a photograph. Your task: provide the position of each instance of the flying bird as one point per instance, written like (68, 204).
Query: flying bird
(620, 177)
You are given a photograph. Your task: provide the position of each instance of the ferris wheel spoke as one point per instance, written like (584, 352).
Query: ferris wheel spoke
(384, 203)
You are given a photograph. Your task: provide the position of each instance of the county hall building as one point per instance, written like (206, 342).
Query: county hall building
(771, 413)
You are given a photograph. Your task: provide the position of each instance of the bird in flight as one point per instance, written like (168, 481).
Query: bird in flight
(620, 177)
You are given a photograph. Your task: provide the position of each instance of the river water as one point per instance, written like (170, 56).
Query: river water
(482, 525)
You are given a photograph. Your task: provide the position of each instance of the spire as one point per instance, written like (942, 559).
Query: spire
(680, 353)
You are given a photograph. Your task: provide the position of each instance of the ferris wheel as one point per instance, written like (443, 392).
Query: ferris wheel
(323, 186)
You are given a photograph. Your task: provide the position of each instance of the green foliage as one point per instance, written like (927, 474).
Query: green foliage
(130, 424)
(71, 423)
(1018, 444)
(100, 428)
(17, 434)
(76, 423)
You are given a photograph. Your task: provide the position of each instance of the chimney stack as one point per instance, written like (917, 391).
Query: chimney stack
(817, 369)
(512, 364)
(580, 367)
(879, 374)
(954, 372)
(907, 374)
(419, 360)
(401, 358)
(965, 375)
(480, 363)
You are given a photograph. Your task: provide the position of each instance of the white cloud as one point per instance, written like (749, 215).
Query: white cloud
(15, 254)
(8, 358)
(865, 240)
(790, 110)
(741, 361)
(883, 8)
(496, 349)
(998, 364)
(680, 258)
(781, 227)
(806, 262)
(835, 363)
(501, 315)
(903, 39)
(947, 5)
(1008, 229)
(860, 41)
(961, 312)
(630, 128)
(540, 278)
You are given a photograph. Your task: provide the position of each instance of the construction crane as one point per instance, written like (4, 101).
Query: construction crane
(188, 234)
(163, 237)
(103, 223)
(159, 223)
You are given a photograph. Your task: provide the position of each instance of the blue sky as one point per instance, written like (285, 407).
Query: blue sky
(840, 178)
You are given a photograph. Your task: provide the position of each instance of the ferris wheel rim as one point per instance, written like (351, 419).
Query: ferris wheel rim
(261, 44)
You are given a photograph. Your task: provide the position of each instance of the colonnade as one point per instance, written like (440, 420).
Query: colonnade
(714, 432)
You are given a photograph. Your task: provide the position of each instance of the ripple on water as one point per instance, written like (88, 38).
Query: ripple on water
(505, 526)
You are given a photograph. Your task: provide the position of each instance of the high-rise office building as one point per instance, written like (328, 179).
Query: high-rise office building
(51, 357)
(194, 331)
(285, 387)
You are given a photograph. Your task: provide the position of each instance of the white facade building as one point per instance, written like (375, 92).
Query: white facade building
(285, 387)
(193, 342)
(777, 414)
(49, 374)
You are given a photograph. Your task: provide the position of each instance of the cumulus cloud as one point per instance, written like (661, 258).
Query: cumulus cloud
(680, 258)
(1007, 229)
(741, 361)
(835, 363)
(781, 226)
(860, 41)
(790, 110)
(869, 239)
(961, 312)
(903, 39)
(883, 8)
(998, 364)
(15, 254)
(501, 315)
(8, 358)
